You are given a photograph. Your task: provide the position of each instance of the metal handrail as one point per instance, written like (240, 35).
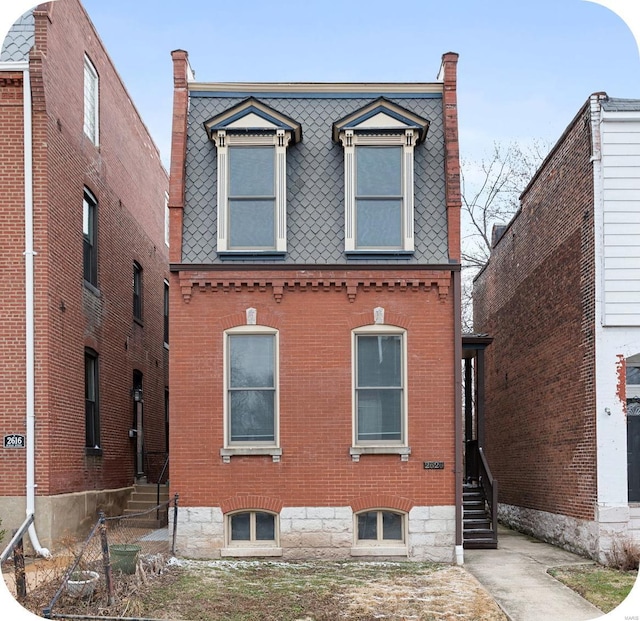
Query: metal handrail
(490, 487)
(164, 468)
(19, 534)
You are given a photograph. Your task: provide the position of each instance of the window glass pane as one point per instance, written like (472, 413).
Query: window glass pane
(379, 171)
(391, 525)
(378, 223)
(252, 415)
(379, 414)
(251, 360)
(252, 223)
(367, 525)
(265, 526)
(633, 375)
(251, 171)
(379, 360)
(240, 527)
(89, 378)
(86, 218)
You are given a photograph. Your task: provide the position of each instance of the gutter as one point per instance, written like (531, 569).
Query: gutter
(29, 287)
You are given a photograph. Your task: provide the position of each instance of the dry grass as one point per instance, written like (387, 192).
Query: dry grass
(319, 591)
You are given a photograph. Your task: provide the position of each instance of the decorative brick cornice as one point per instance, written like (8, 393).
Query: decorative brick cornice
(264, 503)
(349, 282)
(11, 80)
(382, 501)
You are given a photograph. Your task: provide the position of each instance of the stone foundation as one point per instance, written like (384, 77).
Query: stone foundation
(319, 533)
(62, 516)
(578, 536)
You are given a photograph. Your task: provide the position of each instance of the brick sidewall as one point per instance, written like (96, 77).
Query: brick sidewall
(536, 298)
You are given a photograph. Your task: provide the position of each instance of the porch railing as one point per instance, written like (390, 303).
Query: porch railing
(490, 488)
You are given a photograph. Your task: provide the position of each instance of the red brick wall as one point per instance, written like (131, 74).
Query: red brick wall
(315, 325)
(536, 298)
(127, 178)
(12, 377)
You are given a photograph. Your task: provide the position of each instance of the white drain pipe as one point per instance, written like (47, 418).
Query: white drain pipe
(29, 302)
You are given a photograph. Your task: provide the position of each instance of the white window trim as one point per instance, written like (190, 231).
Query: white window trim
(251, 548)
(380, 547)
(90, 71)
(398, 447)
(350, 141)
(279, 139)
(230, 449)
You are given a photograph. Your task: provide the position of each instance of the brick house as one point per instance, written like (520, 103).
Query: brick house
(83, 203)
(315, 300)
(560, 296)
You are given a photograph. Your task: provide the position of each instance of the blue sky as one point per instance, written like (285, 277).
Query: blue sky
(525, 67)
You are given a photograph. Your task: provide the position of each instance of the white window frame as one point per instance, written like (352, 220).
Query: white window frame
(380, 546)
(251, 448)
(351, 140)
(91, 102)
(253, 547)
(279, 139)
(399, 447)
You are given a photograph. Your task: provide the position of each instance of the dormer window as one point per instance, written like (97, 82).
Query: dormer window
(379, 142)
(252, 141)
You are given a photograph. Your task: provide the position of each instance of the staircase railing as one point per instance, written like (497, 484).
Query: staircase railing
(490, 487)
(164, 469)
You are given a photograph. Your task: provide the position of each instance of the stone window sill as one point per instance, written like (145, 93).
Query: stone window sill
(250, 552)
(242, 451)
(403, 451)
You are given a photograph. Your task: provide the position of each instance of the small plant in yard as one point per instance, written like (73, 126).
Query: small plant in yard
(624, 554)
(2, 532)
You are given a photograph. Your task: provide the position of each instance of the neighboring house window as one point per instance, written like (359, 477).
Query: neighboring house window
(89, 232)
(251, 141)
(252, 528)
(379, 386)
(380, 528)
(91, 98)
(166, 218)
(137, 291)
(251, 394)
(379, 142)
(166, 313)
(91, 402)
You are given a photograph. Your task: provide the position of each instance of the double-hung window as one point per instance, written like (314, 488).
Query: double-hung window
(379, 141)
(379, 390)
(91, 402)
(251, 141)
(251, 214)
(251, 376)
(91, 101)
(137, 291)
(90, 238)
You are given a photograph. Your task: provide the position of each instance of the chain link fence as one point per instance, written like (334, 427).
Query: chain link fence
(100, 577)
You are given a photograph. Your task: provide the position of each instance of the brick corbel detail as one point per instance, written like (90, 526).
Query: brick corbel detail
(425, 280)
(260, 503)
(381, 501)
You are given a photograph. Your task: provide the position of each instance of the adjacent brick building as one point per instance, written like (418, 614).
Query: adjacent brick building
(83, 209)
(560, 295)
(315, 303)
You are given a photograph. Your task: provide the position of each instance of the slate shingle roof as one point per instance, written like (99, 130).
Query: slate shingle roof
(19, 39)
(315, 182)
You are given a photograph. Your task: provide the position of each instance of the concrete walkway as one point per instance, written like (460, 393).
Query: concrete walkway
(516, 577)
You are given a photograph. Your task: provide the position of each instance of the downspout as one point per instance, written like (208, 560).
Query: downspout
(30, 312)
(457, 336)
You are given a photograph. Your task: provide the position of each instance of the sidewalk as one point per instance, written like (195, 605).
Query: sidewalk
(516, 577)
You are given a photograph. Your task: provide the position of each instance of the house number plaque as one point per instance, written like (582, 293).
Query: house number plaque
(14, 440)
(434, 465)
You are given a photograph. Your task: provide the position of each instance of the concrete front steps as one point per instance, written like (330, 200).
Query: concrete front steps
(144, 498)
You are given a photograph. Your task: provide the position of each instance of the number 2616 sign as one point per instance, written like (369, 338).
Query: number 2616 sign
(14, 440)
